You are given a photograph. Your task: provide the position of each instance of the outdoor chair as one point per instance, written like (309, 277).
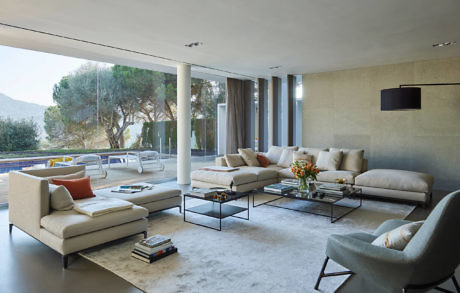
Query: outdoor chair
(141, 158)
(429, 259)
(87, 160)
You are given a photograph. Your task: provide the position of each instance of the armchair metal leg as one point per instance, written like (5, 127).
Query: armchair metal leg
(11, 228)
(322, 274)
(454, 280)
(65, 261)
(145, 234)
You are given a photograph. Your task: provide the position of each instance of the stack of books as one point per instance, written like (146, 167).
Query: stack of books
(290, 182)
(153, 248)
(203, 192)
(332, 188)
(132, 188)
(278, 188)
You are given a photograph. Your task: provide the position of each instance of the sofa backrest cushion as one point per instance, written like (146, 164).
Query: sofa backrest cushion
(301, 156)
(56, 171)
(234, 160)
(352, 159)
(76, 175)
(274, 154)
(286, 158)
(249, 157)
(61, 200)
(329, 161)
(220, 161)
(78, 188)
(312, 151)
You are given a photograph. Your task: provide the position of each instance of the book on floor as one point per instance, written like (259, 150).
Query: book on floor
(154, 241)
(152, 258)
(150, 250)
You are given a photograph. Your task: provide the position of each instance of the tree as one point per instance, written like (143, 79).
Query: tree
(114, 108)
(64, 132)
(18, 135)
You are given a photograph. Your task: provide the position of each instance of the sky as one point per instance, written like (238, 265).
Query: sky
(29, 76)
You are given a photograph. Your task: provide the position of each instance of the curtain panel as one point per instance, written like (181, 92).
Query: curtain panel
(238, 115)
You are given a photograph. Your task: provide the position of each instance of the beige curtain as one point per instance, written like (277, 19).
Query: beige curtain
(237, 116)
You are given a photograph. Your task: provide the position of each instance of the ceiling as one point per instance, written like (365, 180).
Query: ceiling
(240, 38)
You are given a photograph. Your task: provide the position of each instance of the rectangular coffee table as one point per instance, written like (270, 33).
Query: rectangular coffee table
(218, 209)
(323, 198)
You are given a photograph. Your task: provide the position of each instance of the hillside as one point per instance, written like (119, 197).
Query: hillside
(18, 110)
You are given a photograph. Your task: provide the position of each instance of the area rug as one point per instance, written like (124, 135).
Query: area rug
(277, 250)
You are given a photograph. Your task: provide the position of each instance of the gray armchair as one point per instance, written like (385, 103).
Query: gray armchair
(429, 258)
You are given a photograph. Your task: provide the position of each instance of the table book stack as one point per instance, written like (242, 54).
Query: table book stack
(278, 188)
(153, 248)
(333, 188)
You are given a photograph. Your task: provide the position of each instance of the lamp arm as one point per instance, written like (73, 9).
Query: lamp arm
(428, 84)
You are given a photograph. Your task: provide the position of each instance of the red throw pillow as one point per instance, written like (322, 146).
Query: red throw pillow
(79, 188)
(263, 160)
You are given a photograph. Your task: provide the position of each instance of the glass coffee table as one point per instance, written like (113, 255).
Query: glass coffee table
(348, 202)
(218, 209)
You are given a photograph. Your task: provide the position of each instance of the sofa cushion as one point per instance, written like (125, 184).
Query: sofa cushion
(329, 161)
(234, 160)
(263, 160)
(286, 173)
(312, 151)
(66, 224)
(286, 158)
(249, 157)
(274, 167)
(301, 156)
(60, 198)
(238, 177)
(352, 159)
(274, 154)
(332, 176)
(78, 188)
(142, 197)
(261, 173)
(396, 180)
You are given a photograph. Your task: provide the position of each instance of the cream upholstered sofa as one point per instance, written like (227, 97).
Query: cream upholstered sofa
(247, 178)
(65, 231)
(386, 183)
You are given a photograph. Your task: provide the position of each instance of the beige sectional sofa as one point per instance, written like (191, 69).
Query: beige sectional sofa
(395, 184)
(67, 231)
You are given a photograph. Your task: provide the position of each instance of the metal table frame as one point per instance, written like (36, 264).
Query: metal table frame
(220, 216)
(352, 195)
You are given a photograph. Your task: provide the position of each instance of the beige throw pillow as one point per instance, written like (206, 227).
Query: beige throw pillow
(249, 157)
(398, 237)
(234, 160)
(61, 199)
(274, 154)
(286, 158)
(301, 156)
(329, 161)
(352, 159)
(76, 175)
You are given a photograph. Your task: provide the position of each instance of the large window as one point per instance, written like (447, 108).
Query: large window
(56, 106)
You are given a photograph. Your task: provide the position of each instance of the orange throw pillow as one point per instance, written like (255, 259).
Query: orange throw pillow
(263, 160)
(79, 188)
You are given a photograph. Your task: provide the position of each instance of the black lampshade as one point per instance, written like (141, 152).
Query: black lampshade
(401, 98)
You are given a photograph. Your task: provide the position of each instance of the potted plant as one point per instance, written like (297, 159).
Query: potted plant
(304, 171)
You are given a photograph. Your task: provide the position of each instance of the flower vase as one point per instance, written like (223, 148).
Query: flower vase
(303, 185)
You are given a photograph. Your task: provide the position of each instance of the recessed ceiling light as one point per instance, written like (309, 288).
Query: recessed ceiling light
(274, 67)
(445, 44)
(194, 44)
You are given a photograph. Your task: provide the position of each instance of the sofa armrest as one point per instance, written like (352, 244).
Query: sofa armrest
(220, 161)
(28, 201)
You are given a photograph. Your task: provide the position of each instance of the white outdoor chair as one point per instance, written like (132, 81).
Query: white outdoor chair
(87, 160)
(141, 158)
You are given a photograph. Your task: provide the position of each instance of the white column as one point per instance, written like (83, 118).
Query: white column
(183, 124)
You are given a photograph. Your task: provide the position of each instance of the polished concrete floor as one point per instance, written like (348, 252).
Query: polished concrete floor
(29, 266)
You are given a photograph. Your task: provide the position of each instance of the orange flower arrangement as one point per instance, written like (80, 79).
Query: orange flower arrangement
(304, 170)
